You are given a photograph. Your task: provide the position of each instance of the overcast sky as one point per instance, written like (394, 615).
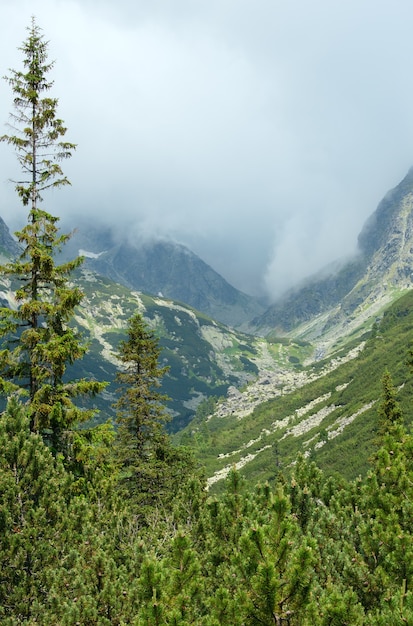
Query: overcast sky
(260, 133)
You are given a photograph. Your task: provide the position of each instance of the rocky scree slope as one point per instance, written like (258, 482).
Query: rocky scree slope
(329, 412)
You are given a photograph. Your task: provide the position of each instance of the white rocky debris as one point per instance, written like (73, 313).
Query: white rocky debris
(309, 407)
(213, 335)
(169, 304)
(97, 332)
(337, 428)
(223, 473)
(313, 420)
(270, 384)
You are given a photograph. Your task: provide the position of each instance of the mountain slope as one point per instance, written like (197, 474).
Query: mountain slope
(328, 411)
(9, 248)
(164, 268)
(333, 303)
(205, 357)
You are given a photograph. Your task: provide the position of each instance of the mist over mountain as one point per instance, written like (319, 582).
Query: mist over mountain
(165, 268)
(381, 269)
(207, 358)
(370, 277)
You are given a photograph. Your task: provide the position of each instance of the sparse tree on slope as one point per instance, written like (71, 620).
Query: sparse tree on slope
(390, 411)
(141, 412)
(155, 472)
(38, 342)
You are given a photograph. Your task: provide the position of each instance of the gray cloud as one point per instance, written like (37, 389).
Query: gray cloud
(260, 134)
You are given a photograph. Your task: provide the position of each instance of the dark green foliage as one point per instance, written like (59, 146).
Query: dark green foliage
(153, 470)
(248, 365)
(38, 342)
(310, 552)
(206, 408)
(351, 389)
(141, 413)
(60, 547)
(390, 411)
(32, 497)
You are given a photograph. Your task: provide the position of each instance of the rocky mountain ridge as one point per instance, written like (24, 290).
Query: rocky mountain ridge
(163, 268)
(9, 247)
(327, 307)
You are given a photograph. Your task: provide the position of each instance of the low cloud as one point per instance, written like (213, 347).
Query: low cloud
(260, 135)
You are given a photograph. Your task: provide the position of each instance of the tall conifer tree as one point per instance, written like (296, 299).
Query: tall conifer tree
(140, 408)
(38, 342)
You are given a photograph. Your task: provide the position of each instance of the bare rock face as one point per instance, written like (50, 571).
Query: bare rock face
(389, 221)
(9, 248)
(381, 271)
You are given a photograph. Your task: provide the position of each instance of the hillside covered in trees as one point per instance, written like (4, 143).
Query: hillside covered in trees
(84, 540)
(113, 524)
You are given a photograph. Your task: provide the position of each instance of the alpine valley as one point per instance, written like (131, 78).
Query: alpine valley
(253, 385)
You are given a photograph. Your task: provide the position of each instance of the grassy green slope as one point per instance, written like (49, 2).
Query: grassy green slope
(205, 357)
(332, 418)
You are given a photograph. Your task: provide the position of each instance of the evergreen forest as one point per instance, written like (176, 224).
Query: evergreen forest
(113, 524)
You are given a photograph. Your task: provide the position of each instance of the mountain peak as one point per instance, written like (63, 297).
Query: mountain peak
(390, 217)
(167, 267)
(381, 271)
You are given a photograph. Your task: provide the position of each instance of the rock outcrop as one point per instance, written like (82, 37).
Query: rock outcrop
(361, 287)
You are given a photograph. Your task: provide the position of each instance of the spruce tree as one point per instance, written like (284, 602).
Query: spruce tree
(141, 414)
(141, 405)
(38, 342)
(157, 474)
